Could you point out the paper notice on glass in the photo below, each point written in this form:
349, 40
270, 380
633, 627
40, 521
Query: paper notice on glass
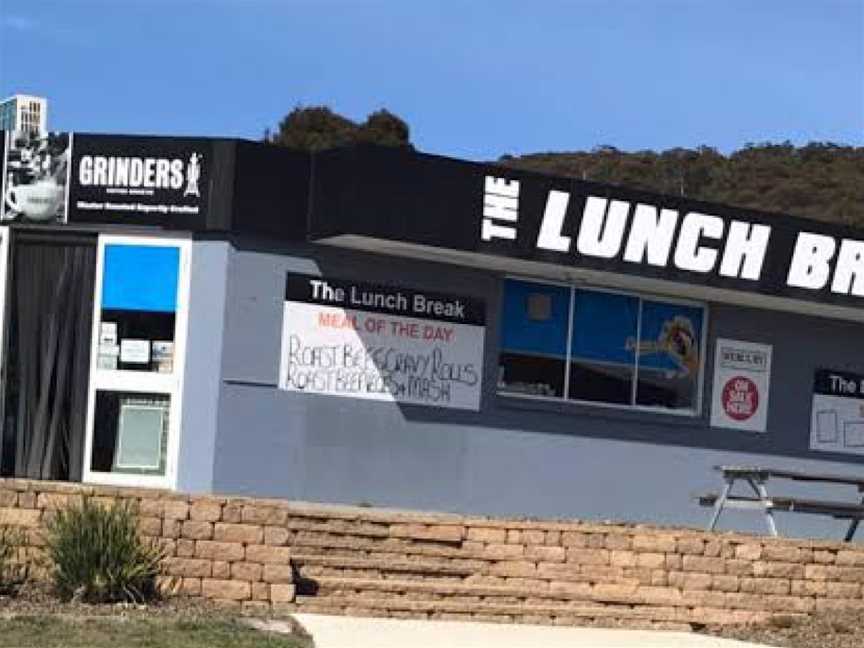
163, 355
135, 351
108, 333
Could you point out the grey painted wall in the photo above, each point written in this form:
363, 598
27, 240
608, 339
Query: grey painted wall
514, 457
209, 264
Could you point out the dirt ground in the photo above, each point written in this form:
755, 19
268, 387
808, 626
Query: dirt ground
827, 630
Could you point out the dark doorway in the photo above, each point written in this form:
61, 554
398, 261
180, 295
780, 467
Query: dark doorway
51, 283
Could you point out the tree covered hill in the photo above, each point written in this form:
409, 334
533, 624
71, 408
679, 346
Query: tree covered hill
820, 180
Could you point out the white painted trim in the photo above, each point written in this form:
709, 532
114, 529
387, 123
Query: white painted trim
142, 381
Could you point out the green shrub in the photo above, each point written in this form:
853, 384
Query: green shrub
98, 555
13, 571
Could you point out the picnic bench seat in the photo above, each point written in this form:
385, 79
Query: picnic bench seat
756, 478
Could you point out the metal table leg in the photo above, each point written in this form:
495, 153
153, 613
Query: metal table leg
720, 503
853, 527
761, 491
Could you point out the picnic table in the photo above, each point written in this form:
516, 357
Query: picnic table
757, 478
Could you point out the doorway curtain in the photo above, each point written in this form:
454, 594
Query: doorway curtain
48, 361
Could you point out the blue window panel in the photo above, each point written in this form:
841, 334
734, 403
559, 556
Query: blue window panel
671, 337
605, 327
522, 334
140, 278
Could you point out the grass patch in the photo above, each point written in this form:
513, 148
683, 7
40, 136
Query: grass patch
46, 631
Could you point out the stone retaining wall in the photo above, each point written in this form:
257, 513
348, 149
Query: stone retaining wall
263, 554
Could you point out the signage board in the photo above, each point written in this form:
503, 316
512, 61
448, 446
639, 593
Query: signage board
742, 382
361, 340
501, 213
837, 417
58, 178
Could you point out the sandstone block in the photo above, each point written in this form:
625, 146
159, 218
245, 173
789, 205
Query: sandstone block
588, 556
20, 517
246, 571
281, 593
228, 551
197, 530
268, 555
655, 543
650, 560
175, 510
278, 574
779, 586
482, 534
221, 569
276, 536
245, 533
226, 589
205, 511
704, 564
191, 567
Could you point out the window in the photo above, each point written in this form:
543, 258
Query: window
534, 344
136, 370
600, 347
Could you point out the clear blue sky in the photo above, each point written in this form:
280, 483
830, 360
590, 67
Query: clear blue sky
473, 78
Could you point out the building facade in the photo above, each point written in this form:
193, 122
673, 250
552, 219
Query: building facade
373, 325
24, 113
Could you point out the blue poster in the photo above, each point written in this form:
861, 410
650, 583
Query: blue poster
535, 318
604, 327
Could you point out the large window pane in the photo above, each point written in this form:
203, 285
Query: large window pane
139, 304
533, 339
603, 347
669, 356
130, 433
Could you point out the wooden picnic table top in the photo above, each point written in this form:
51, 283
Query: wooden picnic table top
763, 473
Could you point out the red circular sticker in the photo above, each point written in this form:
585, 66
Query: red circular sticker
740, 398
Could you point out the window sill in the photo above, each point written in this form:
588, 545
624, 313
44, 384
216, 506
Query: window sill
639, 415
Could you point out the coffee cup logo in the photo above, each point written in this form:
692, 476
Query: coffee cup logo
36, 169
39, 201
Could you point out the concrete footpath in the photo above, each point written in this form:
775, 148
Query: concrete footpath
348, 632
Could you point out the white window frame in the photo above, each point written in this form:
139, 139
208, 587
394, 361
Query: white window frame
693, 412
119, 380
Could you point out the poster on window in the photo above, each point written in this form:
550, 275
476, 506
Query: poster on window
359, 340
742, 380
837, 418
35, 178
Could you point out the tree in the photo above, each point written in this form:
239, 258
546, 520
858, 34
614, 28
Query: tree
316, 128
820, 180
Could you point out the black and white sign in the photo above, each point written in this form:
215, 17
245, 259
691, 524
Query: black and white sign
361, 340
34, 183
742, 384
138, 180
837, 419
591, 227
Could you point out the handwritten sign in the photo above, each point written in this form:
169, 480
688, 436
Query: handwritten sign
390, 344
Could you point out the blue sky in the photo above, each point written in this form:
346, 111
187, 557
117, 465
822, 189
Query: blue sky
473, 78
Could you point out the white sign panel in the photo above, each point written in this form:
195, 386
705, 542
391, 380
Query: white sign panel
373, 351
742, 380
837, 419
135, 351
